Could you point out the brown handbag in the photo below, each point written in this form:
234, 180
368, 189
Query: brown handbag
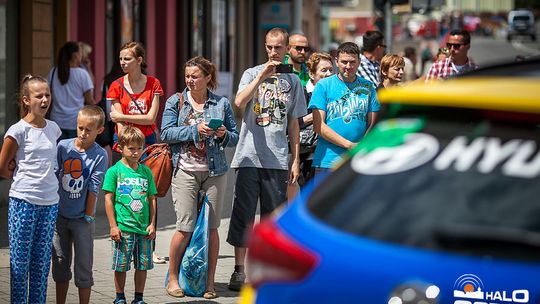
159, 159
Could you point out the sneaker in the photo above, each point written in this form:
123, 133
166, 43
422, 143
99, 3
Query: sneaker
138, 302
119, 301
237, 280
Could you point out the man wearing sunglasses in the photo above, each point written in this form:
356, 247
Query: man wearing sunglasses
297, 56
459, 43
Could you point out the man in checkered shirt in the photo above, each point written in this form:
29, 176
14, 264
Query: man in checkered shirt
459, 43
372, 51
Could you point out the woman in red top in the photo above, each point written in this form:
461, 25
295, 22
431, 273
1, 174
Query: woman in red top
135, 96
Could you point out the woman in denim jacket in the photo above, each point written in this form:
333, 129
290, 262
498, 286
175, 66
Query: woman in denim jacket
198, 125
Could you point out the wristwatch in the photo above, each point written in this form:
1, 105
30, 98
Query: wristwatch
89, 218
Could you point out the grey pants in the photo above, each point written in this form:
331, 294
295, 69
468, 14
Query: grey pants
74, 234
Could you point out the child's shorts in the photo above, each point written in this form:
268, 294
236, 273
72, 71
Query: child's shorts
132, 245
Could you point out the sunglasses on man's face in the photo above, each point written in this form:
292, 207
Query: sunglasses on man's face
456, 46
301, 48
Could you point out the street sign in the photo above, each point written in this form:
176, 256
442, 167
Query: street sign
275, 14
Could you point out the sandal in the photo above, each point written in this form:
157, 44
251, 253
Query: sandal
210, 294
159, 260
177, 293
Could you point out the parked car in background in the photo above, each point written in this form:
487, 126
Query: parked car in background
521, 23
439, 203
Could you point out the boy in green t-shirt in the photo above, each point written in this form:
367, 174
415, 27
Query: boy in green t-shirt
130, 204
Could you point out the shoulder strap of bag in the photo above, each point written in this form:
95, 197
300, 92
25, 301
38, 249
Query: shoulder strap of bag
181, 102
130, 96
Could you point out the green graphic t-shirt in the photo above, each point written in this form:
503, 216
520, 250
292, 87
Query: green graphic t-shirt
131, 190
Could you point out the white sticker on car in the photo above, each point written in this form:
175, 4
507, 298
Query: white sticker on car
516, 158
418, 149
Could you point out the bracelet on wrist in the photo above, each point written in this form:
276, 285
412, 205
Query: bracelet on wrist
89, 218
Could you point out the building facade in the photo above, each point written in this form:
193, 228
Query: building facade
229, 32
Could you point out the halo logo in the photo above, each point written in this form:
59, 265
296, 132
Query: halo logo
469, 286
470, 290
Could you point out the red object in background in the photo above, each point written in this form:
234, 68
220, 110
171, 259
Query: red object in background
471, 23
428, 29
274, 257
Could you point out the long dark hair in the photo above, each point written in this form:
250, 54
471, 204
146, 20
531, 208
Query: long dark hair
64, 57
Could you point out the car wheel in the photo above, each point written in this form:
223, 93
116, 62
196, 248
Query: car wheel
509, 38
533, 37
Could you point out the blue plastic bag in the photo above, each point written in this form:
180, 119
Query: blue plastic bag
193, 270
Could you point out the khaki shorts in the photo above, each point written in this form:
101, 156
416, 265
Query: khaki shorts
184, 188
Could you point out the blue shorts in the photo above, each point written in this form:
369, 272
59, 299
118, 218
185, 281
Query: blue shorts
132, 246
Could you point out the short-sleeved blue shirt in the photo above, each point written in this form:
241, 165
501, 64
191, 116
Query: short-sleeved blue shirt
78, 173
347, 106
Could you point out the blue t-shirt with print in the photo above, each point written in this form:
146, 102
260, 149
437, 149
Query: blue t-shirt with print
78, 173
347, 106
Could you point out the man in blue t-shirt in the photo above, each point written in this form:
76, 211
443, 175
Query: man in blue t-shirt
344, 108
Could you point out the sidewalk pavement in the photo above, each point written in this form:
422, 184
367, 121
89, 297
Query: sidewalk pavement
103, 290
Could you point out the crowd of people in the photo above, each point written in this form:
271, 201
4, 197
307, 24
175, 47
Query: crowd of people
295, 126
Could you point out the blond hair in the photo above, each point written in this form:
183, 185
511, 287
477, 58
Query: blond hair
85, 49
314, 60
388, 61
95, 113
276, 31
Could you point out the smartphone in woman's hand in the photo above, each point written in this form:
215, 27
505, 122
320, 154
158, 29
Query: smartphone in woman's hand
215, 123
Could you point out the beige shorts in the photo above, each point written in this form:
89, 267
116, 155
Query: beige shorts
185, 187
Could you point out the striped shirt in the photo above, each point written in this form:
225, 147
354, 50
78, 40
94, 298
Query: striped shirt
369, 70
445, 68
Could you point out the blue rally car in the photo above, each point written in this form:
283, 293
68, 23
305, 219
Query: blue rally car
439, 203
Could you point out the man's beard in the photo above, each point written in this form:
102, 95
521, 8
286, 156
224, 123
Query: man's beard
295, 60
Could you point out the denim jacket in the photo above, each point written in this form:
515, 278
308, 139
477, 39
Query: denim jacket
173, 130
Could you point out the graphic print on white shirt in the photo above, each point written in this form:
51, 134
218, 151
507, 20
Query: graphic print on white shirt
134, 110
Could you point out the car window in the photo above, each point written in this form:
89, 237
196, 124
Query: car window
521, 18
529, 68
445, 179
